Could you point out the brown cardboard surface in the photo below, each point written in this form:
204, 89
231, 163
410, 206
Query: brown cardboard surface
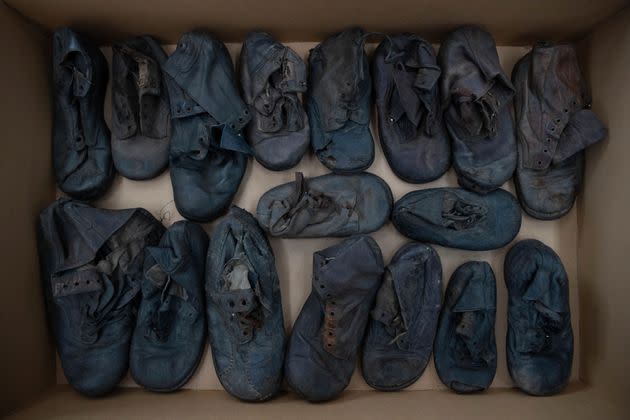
294, 256
577, 403
604, 225
513, 22
26, 187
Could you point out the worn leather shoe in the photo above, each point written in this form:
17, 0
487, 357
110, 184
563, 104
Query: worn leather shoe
413, 137
338, 103
465, 347
399, 338
91, 262
245, 321
327, 335
477, 101
458, 218
540, 337
81, 151
208, 154
272, 76
141, 122
554, 125
170, 333
327, 205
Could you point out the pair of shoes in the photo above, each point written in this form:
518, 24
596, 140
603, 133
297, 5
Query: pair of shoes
340, 311
539, 337
458, 218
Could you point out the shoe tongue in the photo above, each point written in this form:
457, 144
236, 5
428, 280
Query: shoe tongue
387, 307
474, 297
546, 292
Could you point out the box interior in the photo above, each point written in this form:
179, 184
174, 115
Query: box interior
591, 240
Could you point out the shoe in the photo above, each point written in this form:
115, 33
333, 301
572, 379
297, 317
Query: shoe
327, 205
327, 335
465, 349
539, 334
170, 334
457, 218
410, 125
555, 125
272, 76
477, 99
245, 321
81, 152
91, 261
400, 332
338, 102
208, 154
141, 121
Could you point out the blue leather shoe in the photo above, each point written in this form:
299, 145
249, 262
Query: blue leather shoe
465, 348
208, 154
170, 333
399, 338
81, 151
458, 218
338, 102
272, 76
91, 261
539, 337
412, 132
554, 125
327, 335
141, 121
244, 306
327, 205
477, 98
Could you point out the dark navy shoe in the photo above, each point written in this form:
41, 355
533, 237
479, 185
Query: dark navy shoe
555, 125
327, 335
399, 338
465, 350
208, 154
244, 305
141, 122
458, 218
477, 98
81, 152
327, 205
539, 336
338, 103
170, 333
91, 261
412, 132
272, 76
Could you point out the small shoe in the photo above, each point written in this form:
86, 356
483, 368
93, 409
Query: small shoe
327, 205
412, 132
338, 103
244, 307
539, 336
327, 335
477, 98
141, 121
208, 154
272, 76
91, 262
465, 348
81, 151
458, 218
554, 125
170, 334
399, 338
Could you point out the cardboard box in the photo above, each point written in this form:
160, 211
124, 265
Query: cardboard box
592, 239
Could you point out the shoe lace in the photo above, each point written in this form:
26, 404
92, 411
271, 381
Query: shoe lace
458, 214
